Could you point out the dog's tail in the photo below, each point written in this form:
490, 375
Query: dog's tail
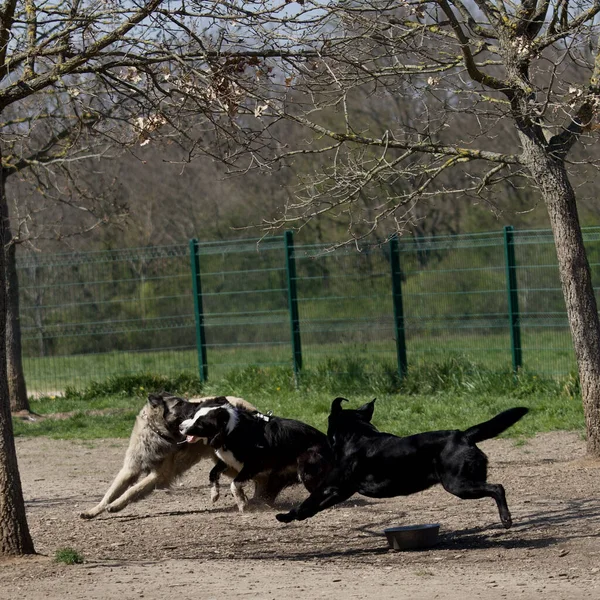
493, 427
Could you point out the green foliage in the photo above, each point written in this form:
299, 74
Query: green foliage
571, 386
461, 375
68, 556
138, 385
352, 374
253, 380
454, 393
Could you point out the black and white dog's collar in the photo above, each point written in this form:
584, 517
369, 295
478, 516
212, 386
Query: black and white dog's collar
266, 418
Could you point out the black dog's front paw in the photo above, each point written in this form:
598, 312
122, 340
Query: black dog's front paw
286, 517
507, 522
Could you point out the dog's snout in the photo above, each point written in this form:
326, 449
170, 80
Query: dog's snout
185, 425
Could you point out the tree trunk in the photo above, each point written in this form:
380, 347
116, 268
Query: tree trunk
15, 538
16, 379
552, 179
39, 324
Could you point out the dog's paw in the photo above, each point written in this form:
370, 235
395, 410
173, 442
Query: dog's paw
507, 522
86, 515
113, 508
506, 518
214, 495
285, 517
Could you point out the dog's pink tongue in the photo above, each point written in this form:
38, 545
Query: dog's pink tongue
191, 439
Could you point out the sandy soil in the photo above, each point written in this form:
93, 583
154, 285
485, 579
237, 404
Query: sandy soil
176, 544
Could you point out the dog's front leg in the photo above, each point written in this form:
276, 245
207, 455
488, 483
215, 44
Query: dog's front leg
214, 477
122, 481
137, 492
323, 497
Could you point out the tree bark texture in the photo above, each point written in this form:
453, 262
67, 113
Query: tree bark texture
552, 179
15, 538
16, 378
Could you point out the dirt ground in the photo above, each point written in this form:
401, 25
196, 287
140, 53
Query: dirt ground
176, 544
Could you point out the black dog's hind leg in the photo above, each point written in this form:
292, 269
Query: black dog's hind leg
269, 487
472, 490
323, 497
214, 477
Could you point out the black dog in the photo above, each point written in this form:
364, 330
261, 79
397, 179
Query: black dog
285, 450
381, 465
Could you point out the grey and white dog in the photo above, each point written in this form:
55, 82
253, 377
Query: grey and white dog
157, 453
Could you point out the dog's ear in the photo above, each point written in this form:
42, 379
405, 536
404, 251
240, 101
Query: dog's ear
155, 400
174, 399
336, 405
222, 416
221, 400
366, 410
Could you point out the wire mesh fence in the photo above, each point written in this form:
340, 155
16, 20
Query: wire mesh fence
345, 306
546, 340
244, 300
455, 297
88, 316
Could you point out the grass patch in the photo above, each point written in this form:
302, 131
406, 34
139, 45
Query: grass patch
547, 353
455, 393
68, 556
80, 426
138, 385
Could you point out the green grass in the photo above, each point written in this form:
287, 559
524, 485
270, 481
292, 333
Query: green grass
545, 352
455, 393
68, 556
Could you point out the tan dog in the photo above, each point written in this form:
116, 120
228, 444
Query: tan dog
157, 452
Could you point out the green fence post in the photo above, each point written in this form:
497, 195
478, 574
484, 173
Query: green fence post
513, 297
198, 310
398, 307
290, 262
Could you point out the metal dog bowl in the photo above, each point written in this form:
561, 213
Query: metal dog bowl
412, 536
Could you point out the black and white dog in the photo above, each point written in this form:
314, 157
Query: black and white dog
286, 450
382, 465
157, 454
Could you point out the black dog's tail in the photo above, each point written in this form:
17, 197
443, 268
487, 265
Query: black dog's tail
495, 426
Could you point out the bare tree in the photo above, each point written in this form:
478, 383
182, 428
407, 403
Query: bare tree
506, 93
44, 160
68, 69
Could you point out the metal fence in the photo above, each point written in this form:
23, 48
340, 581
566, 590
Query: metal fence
207, 308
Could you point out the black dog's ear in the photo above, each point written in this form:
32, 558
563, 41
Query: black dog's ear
222, 416
336, 405
155, 400
367, 410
